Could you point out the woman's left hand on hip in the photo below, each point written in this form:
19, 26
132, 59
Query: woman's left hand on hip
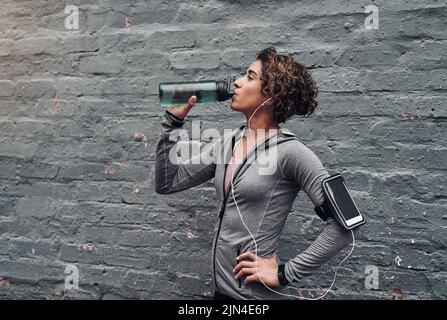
258, 268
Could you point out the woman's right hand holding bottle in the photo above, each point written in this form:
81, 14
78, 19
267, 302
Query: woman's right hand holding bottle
182, 111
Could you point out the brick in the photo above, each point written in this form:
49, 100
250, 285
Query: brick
101, 65
78, 86
151, 63
425, 55
208, 14
130, 86
38, 170
98, 191
147, 281
5, 47
26, 248
6, 89
173, 39
18, 149
438, 283
104, 277
32, 271
240, 59
339, 79
7, 206
194, 60
37, 207
36, 46
8, 166
80, 44
34, 89
145, 238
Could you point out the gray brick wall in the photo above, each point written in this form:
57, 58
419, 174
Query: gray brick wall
76, 188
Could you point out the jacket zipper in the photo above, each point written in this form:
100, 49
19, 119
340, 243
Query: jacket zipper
237, 261
224, 203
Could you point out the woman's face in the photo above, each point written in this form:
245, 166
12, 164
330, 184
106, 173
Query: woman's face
248, 94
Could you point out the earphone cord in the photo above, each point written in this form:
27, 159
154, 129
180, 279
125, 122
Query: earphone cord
256, 245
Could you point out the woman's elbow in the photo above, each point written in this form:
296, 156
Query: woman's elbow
343, 237
162, 189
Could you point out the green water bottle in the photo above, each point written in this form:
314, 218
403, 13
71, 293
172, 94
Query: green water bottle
206, 91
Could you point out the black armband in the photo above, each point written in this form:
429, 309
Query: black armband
339, 204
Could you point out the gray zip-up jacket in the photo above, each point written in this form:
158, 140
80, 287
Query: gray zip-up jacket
264, 196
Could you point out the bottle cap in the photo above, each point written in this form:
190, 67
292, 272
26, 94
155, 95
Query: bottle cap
225, 88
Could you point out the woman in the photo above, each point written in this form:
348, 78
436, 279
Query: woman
253, 206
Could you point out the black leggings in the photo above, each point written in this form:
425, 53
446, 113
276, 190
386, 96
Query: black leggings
220, 296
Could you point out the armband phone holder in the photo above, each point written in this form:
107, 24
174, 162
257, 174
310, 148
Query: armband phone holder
339, 204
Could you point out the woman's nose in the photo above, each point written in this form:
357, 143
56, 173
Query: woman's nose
236, 84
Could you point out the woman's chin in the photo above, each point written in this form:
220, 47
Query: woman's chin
235, 106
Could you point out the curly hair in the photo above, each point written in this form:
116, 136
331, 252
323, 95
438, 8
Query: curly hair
288, 83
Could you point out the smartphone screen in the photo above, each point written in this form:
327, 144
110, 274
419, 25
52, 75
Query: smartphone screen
343, 199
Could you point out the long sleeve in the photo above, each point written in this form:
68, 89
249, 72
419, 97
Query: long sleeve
180, 174
330, 241
302, 166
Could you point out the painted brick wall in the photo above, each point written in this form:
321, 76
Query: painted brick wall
77, 187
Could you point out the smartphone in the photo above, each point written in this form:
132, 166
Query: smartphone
342, 204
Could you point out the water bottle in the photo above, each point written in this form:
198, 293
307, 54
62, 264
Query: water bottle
206, 91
